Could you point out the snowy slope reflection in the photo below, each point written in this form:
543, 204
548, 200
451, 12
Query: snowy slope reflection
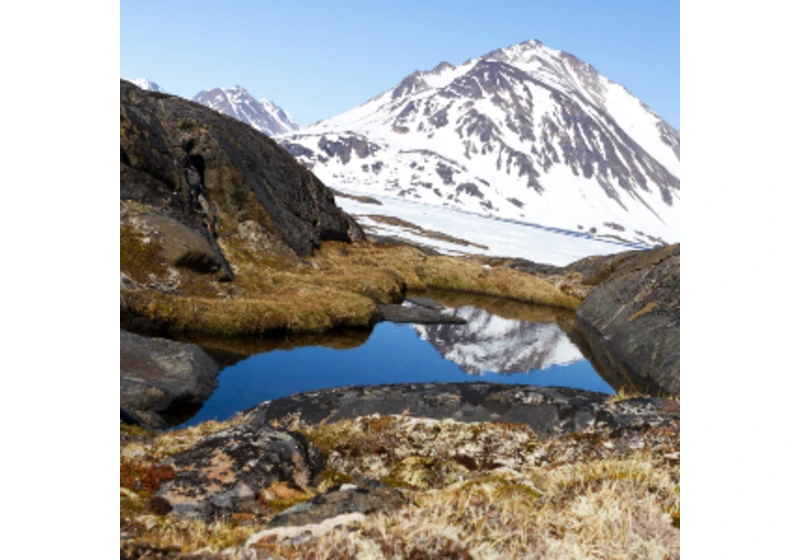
490, 343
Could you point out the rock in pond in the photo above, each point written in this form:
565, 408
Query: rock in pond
157, 375
637, 311
549, 411
416, 314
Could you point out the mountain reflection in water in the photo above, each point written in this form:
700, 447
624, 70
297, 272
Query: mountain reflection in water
490, 343
498, 340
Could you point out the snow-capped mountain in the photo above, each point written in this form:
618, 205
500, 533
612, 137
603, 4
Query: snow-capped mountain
524, 133
146, 84
489, 343
236, 102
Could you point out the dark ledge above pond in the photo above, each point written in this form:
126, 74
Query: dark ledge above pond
550, 411
416, 314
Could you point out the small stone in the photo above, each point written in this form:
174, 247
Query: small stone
159, 505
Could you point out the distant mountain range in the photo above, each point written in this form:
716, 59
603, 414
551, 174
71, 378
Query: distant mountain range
236, 102
525, 133
261, 114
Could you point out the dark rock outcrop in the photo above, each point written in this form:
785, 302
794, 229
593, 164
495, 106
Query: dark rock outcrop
211, 172
160, 377
225, 472
636, 311
595, 270
365, 496
549, 411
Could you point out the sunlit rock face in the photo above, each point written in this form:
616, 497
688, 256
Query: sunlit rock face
489, 343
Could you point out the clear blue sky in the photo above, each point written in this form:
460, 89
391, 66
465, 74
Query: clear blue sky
319, 58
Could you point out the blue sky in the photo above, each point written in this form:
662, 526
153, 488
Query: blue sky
317, 59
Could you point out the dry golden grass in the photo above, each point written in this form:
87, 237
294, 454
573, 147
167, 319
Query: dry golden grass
273, 290
304, 309
502, 307
482, 490
462, 275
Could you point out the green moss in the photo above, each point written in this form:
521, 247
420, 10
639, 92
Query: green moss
274, 507
332, 478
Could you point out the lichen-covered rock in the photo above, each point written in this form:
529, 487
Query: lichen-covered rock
157, 375
185, 247
549, 411
226, 472
365, 497
637, 310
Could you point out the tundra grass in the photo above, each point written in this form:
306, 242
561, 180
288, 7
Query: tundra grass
477, 490
275, 291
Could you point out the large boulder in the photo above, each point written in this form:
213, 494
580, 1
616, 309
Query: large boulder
549, 411
636, 311
210, 173
158, 376
228, 471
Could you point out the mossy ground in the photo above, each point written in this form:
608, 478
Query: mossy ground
481, 490
274, 290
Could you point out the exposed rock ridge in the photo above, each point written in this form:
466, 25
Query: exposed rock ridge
211, 172
636, 311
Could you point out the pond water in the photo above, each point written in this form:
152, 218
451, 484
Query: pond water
501, 342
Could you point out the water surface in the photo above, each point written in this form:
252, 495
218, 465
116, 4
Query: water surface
513, 343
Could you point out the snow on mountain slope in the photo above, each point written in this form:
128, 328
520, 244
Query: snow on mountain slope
489, 343
146, 84
236, 102
486, 235
524, 133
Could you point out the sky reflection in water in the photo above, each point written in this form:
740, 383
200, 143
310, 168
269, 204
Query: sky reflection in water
540, 352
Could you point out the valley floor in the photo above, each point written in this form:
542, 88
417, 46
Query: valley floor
474, 234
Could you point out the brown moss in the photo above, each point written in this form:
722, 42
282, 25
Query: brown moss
141, 478
140, 256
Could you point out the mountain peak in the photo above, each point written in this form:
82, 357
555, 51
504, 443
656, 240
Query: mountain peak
237, 102
522, 133
145, 84
441, 67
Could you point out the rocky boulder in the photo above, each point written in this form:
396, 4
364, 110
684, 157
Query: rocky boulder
416, 314
365, 496
158, 376
210, 172
227, 472
636, 312
549, 411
